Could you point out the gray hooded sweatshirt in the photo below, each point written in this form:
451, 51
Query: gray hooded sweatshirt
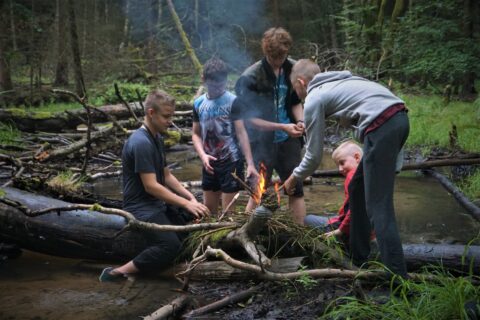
353, 101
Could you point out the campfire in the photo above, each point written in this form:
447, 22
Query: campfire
262, 196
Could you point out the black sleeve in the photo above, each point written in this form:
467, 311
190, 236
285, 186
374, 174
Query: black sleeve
237, 110
247, 96
294, 98
195, 117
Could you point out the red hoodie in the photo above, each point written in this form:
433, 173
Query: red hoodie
344, 217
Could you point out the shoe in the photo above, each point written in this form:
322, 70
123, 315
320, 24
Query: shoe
107, 276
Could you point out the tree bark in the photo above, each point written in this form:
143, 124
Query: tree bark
61, 71
12, 26
188, 47
77, 63
5, 77
85, 233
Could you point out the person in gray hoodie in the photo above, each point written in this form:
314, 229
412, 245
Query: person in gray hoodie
379, 120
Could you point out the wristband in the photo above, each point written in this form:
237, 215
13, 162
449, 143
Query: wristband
300, 121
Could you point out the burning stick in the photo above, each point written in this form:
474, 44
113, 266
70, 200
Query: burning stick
235, 197
249, 190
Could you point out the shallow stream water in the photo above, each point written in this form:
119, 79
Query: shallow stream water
37, 286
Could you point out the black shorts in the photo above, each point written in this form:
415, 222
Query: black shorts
283, 157
222, 179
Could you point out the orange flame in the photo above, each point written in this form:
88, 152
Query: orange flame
262, 182
277, 191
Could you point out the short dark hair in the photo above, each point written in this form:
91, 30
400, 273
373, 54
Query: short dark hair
215, 69
158, 98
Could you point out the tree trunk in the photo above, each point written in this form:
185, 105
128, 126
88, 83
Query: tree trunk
77, 63
468, 85
5, 77
152, 49
191, 53
61, 72
12, 27
126, 26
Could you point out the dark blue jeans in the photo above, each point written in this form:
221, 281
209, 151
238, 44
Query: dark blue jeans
371, 195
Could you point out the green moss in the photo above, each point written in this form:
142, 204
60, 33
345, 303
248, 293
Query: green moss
2, 192
33, 114
172, 138
217, 236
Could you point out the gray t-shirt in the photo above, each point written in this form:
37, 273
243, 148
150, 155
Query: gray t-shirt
142, 153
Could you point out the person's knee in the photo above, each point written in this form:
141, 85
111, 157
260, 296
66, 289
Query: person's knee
313, 221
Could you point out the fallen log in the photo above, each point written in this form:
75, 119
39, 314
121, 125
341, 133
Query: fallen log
90, 234
454, 257
412, 166
457, 194
79, 232
31, 121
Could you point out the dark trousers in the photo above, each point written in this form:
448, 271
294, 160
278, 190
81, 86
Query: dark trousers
371, 195
163, 247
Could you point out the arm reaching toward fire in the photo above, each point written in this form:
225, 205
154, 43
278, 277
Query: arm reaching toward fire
245, 145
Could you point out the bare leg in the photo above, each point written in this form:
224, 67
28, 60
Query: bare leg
251, 205
212, 199
297, 206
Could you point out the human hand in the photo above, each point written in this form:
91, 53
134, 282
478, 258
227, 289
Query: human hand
252, 172
197, 209
293, 130
300, 126
290, 184
335, 233
206, 162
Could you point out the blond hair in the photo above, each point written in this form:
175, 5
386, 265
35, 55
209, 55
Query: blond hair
276, 42
158, 98
305, 69
349, 148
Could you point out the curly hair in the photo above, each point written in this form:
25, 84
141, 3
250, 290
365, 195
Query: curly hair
276, 42
215, 69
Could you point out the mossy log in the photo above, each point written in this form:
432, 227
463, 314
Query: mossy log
30, 120
91, 234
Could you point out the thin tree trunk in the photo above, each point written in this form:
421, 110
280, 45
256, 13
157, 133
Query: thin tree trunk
191, 53
77, 63
126, 26
152, 43
468, 85
84, 31
5, 77
61, 72
196, 14
12, 27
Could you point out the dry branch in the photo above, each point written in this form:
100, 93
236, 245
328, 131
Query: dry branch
170, 309
132, 222
217, 305
314, 273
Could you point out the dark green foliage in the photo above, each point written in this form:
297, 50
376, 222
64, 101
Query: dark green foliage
128, 92
432, 47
